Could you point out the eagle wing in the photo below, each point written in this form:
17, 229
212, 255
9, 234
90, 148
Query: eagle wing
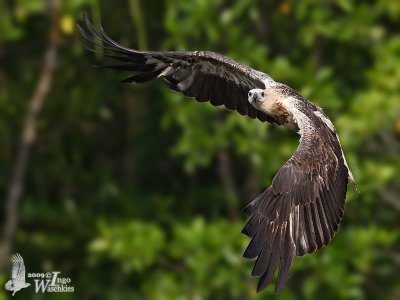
18, 268
203, 75
300, 212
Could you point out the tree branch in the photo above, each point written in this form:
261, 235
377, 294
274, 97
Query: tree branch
28, 135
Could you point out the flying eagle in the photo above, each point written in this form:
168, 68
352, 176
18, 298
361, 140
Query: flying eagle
300, 212
17, 281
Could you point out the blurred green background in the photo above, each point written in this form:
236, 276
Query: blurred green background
135, 192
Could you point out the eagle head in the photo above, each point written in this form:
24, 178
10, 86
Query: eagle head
256, 95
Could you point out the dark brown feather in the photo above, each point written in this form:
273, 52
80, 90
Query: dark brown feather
219, 91
255, 246
307, 194
187, 69
142, 77
300, 212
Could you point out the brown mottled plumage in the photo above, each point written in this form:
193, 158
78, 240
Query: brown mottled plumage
300, 212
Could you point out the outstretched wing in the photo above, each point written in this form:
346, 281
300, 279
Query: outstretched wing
203, 75
300, 212
18, 268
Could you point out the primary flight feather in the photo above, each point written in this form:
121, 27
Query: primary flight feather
300, 212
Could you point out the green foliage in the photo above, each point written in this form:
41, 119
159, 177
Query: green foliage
135, 191
134, 245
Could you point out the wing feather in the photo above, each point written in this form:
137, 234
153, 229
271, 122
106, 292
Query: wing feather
300, 212
219, 91
203, 75
257, 243
286, 260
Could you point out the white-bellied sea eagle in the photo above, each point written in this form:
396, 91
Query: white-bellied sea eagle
301, 210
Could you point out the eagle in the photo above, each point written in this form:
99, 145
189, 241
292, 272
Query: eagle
301, 210
17, 281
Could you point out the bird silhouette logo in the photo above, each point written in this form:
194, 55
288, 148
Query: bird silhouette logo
17, 281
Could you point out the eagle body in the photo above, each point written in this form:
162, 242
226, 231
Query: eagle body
301, 210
